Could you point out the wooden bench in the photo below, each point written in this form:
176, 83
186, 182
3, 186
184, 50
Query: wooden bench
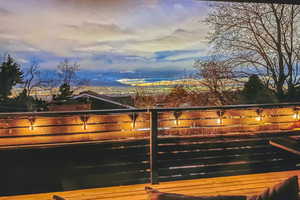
230, 185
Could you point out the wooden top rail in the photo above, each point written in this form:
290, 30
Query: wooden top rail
113, 111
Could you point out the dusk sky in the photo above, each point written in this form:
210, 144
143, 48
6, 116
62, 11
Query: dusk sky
104, 34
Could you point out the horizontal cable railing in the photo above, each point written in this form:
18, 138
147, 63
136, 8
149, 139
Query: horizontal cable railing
167, 158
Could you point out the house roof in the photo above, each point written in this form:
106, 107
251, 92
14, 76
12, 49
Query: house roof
101, 97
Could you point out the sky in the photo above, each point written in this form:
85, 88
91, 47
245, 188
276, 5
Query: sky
104, 35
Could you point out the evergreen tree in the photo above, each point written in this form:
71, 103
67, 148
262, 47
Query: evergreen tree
23, 101
10, 75
64, 94
255, 92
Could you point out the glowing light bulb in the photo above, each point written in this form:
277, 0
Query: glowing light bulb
31, 127
259, 118
133, 124
31, 121
84, 119
84, 126
133, 116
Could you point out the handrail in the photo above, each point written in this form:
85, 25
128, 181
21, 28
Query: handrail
112, 111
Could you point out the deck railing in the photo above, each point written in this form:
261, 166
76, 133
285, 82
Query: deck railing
41, 128
55, 127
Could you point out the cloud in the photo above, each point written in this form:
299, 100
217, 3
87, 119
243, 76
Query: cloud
105, 34
94, 48
4, 12
175, 55
98, 4
186, 55
21, 60
9, 44
179, 40
104, 65
95, 32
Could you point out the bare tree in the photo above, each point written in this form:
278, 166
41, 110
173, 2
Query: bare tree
218, 78
67, 72
67, 75
43, 80
260, 39
144, 98
178, 97
50, 83
32, 78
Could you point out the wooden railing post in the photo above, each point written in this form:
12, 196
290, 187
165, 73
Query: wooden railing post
153, 147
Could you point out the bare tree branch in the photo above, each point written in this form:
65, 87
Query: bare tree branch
263, 36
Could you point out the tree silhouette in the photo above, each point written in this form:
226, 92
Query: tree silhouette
177, 96
65, 93
218, 78
255, 92
10, 75
261, 39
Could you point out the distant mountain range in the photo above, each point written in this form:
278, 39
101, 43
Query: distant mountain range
114, 78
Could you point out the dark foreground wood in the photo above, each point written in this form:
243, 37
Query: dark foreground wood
289, 144
230, 185
114, 163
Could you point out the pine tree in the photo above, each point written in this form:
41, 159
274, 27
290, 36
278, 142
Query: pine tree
65, 92
255, 92
10, 75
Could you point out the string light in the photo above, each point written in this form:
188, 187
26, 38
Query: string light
133, 117
220, 113
31, 121
296, 115
84, 119
259, 113
259, 118
177, 114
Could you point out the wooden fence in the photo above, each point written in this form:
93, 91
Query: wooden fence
119, 147
56, 127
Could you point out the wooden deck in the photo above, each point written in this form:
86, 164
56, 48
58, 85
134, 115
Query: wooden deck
230, 185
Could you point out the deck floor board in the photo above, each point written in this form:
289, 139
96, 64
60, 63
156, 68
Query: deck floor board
230, 185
